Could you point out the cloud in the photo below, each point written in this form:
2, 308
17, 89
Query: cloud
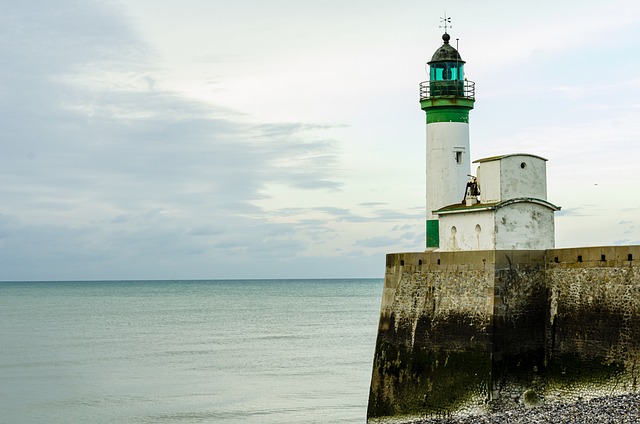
403, 227
387, 214
576, 211
381, 241
102, 168
119, 159
626, 242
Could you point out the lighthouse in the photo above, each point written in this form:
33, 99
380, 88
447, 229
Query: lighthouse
447, 97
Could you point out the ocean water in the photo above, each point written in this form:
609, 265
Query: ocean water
238, 351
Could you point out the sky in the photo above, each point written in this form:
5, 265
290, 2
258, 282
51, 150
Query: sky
202, 139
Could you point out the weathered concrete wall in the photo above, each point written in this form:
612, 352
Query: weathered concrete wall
523, 175
449, 323
473, 231
506, 228
515, 223
512, 176
434, 318
593, 327
472, 331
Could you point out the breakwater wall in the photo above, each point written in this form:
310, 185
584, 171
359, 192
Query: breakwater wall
475, 331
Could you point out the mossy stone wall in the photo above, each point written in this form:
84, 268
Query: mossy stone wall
470, 331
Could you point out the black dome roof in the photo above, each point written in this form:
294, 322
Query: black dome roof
446, 52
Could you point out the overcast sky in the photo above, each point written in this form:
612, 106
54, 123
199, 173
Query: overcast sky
157, 139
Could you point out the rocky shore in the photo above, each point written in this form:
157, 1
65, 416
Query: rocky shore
621, 409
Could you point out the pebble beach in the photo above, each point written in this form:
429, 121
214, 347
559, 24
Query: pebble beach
621, 409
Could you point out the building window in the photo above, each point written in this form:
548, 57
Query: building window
523, 165
459, 158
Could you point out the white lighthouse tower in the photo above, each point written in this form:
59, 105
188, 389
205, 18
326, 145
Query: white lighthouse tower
447, 99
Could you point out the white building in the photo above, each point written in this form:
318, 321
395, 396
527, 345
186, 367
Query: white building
510, 213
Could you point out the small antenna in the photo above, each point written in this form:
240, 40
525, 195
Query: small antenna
446, 21
457, 56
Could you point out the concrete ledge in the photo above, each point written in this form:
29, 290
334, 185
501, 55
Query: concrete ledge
598, 256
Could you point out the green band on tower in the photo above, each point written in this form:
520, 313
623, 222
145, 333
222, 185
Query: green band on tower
453, 114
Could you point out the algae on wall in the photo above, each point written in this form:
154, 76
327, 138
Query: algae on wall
593, 327
475, 331
432, 352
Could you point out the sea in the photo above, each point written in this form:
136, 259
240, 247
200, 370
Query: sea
209, 351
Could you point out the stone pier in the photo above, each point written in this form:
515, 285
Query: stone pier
473, 331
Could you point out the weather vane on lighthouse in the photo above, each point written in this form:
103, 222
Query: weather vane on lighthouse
446, 21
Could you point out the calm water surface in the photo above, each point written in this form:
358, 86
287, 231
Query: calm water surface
253, 351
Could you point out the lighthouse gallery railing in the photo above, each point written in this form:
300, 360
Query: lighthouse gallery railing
458, 88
